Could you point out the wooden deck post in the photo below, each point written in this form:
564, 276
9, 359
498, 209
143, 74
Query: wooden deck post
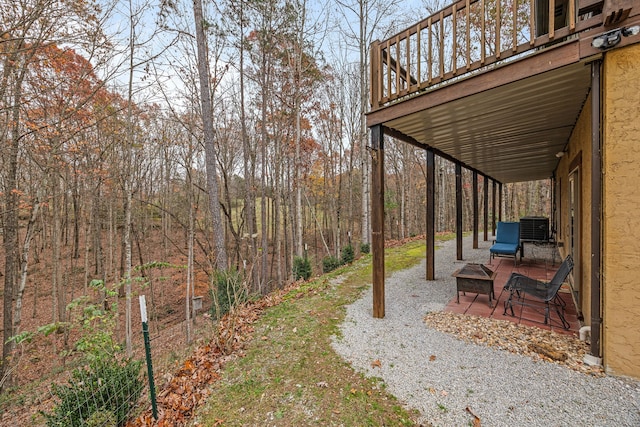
458, 211
375, 77
500, 202
596, 201
431, 214
485, 181
475, 209
493, 206
377, 218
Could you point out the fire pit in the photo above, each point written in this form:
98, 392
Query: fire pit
475, 278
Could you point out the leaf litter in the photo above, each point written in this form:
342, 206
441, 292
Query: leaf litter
537, 343
188, 387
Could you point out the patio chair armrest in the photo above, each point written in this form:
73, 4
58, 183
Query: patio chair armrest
513, 281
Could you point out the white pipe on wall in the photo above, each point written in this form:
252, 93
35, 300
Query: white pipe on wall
584, 331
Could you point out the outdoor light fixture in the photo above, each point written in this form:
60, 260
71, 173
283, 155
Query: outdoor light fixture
611, 38
631, 31
608, 39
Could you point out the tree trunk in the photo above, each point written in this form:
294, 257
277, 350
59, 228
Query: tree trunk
166, 218
249, 192
127, 267
298, 249
188, 296
263, 177
128, 176
10, 231
24, 265
59, 304
364, 99
277, 235
209, 137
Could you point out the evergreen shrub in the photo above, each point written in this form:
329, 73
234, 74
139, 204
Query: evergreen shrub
301, 268
330, 263
365, 248
348, 255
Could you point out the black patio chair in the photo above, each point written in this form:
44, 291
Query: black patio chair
520, 286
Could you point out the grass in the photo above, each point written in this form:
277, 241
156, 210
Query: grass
290, 375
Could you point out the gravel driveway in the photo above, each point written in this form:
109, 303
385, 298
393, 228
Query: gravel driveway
445, 378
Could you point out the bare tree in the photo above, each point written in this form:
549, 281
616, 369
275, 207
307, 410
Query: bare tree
27, 28
239, 23
209, 136
363, 21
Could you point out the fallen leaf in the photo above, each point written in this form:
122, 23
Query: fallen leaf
444, 393
376, 364
432, 358
432, 390
476, 419
354, 391
547, 350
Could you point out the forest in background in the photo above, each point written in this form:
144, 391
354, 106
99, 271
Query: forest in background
146, 147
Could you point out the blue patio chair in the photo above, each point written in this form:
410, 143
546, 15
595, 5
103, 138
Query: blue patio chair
539, 292
507, 241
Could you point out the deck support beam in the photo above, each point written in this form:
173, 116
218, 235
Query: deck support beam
431, 214
458, 212
485, 184
493, 206
499, 202
377, 218
596, 202
475, 210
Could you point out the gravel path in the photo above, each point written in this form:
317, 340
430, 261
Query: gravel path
442, 376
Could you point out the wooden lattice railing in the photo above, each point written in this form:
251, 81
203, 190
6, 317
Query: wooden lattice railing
469, 36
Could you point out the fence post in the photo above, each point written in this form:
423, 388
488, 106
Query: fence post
147, 351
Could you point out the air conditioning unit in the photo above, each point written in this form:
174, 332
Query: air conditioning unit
560, 13
534, 229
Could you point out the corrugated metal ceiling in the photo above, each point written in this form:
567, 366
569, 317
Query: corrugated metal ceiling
510, 133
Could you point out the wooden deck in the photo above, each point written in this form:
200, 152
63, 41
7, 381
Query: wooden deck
494, 89
472, 36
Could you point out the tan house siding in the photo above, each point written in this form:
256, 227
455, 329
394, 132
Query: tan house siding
621, 203
578, 157
621, 211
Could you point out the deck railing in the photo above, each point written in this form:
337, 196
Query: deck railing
469, 36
